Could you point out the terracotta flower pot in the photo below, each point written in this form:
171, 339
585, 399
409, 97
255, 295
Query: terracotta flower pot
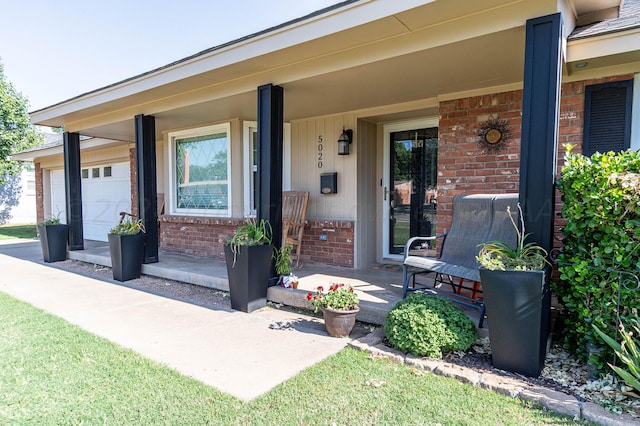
339, 323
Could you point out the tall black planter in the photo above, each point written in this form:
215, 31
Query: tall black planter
127, 254
53, 239
518, 310
249, 277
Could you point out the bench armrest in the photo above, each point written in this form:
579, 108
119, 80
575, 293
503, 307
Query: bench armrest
412, 240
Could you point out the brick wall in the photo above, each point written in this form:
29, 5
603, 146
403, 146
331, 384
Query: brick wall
466, 166
201, 236
133, 179
39, 193
336, 250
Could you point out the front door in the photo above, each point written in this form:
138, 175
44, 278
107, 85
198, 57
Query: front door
412, 194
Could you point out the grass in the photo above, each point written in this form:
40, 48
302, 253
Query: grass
52, 373
10, 232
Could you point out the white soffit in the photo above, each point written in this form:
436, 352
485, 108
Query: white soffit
606, 45
590, 11
333, 21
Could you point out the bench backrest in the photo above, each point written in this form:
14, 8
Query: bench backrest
477, 219
501, 226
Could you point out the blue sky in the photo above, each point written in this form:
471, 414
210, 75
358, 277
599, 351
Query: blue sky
54, 50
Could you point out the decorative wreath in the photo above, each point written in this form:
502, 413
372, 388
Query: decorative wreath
493, 133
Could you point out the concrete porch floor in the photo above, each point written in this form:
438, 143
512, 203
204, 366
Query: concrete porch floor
379, 288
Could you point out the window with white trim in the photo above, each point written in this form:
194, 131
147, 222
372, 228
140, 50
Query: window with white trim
200, 175
250, 168
250, 131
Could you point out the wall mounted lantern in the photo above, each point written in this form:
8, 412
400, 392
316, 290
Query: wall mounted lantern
344, 141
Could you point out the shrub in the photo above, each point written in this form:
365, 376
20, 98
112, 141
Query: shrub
428, 326
601, 204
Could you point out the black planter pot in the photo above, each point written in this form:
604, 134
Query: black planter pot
518, 310
53, 239
127, 254
249, 277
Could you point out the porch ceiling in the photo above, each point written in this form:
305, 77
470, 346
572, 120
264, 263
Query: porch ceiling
420, 54
491, 60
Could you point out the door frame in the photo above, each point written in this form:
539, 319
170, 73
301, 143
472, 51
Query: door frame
386, 175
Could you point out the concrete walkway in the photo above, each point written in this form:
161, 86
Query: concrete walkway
242, 354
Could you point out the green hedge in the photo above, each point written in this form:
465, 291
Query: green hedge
427, 325
601, 203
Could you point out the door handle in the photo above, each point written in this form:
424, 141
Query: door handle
385, 192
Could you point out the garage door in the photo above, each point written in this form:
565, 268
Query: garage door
58, 204
105, 193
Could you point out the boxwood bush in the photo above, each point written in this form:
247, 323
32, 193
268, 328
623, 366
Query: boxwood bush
426, 325
601, 204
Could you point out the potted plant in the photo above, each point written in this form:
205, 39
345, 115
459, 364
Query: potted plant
515, 284
126, 247
284, 267
53, 239
248, 254
339, 307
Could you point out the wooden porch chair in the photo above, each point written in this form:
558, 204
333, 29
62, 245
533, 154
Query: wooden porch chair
294, 211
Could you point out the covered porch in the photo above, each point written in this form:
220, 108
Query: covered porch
379, 287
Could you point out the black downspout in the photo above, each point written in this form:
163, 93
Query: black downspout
270, 154
73, 189
540, 114
145, 127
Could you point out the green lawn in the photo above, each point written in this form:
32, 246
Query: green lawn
10, 232
54, 373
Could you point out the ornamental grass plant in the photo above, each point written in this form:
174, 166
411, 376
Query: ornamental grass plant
497, 255
128, 226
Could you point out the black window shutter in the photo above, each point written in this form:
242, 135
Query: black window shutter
607, 117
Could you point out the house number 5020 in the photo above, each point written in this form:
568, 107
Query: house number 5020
320, 147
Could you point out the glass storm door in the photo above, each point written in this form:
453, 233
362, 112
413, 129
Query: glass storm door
413, 180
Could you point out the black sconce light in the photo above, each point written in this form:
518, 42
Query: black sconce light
344, 141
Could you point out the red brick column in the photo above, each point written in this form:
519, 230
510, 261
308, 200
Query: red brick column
39, 193
133, 179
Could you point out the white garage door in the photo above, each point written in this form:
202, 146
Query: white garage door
105, 193
58, 204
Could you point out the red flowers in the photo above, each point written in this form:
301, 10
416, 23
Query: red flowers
340, 297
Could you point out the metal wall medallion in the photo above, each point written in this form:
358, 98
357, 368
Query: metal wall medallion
493, 133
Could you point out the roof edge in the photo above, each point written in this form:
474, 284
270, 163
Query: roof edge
205, 52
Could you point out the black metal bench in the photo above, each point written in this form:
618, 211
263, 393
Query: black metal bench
476, 219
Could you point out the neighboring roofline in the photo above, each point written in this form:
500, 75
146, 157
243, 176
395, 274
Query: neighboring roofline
206, 51
56, 147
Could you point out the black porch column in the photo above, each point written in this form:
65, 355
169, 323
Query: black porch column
146, 182
73, 189
540, 112
270, 152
